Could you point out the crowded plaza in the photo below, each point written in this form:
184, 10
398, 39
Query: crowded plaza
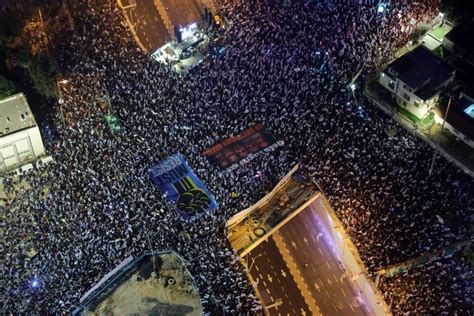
285, 66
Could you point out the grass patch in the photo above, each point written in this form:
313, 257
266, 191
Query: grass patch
440, 31
427, 121
412, 117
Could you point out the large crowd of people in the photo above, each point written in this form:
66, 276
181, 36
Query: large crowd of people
286, 66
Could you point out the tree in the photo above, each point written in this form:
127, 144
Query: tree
6, 87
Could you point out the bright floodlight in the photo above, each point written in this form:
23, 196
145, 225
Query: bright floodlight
64, 81
352, 86
381, 8
441, 15
34, 283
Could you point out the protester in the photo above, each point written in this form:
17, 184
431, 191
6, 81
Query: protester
286, 67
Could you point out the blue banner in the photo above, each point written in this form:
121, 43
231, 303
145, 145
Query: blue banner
177, 181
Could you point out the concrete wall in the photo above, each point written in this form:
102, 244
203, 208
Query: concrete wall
20, 147
349, 255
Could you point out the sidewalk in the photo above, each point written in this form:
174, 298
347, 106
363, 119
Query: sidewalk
446, 143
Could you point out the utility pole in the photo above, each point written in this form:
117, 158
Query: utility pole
61, 100
437, 139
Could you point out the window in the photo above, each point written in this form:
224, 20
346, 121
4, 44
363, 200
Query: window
406, 87
391, 85
416, 104
406, 97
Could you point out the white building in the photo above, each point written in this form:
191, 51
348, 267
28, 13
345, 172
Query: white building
20, 138
416, 79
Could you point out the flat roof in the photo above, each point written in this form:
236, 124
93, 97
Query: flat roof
152, 284
423, 71
15, 114
459, 116
461, 35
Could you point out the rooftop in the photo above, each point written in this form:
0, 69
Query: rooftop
15, 114
423, 71
461, 36
152, 284
460, 115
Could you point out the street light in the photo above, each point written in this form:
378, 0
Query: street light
437, 139
61, 100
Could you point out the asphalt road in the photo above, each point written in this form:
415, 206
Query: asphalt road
274, 281
324, 276
149, 26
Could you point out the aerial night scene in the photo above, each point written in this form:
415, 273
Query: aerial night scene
229, 157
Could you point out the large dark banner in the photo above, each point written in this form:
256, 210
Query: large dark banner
234, 149
177, 181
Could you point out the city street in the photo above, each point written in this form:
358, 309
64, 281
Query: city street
319, 266
298, 265
146, 21
274, 281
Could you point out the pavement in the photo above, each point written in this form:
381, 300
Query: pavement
320, 267
149, 30
298, 266
274, 281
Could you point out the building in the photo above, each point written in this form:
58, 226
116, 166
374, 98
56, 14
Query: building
416, 79
460, 118
154, 283
20, 138
459, 41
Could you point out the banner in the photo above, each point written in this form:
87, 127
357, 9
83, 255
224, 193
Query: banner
234, 149
176, 180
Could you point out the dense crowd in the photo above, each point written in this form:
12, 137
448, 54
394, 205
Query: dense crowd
426, 292
284, 66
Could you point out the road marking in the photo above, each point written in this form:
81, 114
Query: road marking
269, 278
329, 266
316, 286
283, 273
344, 292
352, 307
320, 251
